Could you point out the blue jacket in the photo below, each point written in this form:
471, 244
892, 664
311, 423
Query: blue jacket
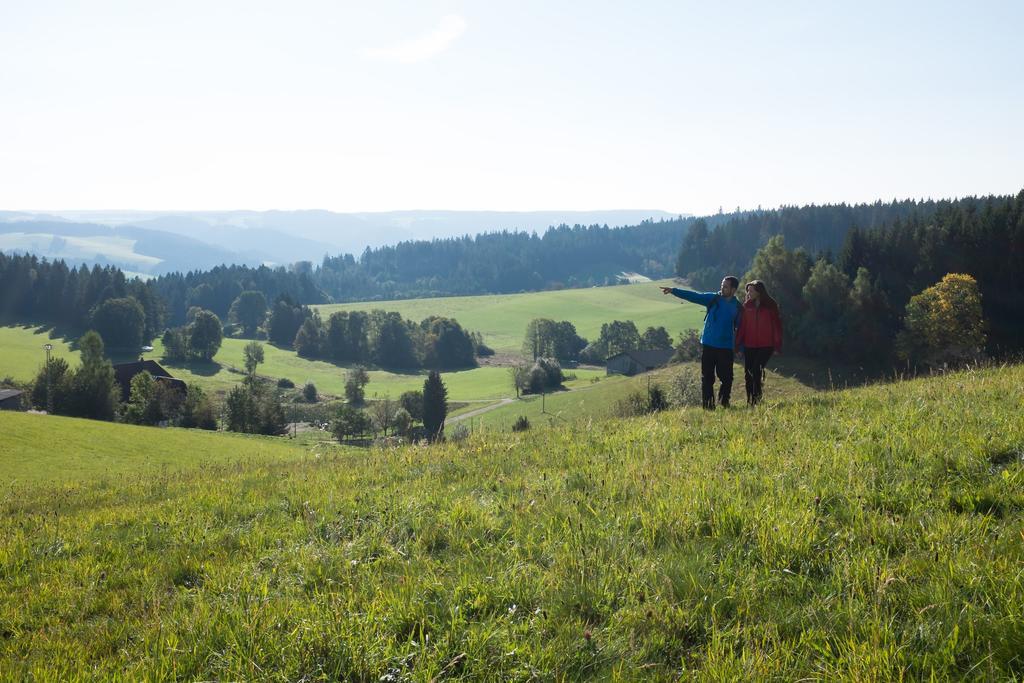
722, 319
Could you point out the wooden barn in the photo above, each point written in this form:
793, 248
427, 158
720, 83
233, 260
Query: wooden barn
633, 362
13, 399
124, 372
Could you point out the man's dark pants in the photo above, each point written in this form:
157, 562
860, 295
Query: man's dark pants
754, 360
715, 361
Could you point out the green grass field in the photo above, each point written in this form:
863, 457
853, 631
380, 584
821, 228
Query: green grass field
22, 353
20, 346
502, 318
477, 384
40, 448
865, 535
21, 356
596, 400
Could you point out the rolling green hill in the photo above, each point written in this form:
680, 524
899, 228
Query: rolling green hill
54, 449
869, 534
21, 356
22, 353
596, 399
464, 385
502, 318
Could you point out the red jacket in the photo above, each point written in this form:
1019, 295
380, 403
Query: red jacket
759, 327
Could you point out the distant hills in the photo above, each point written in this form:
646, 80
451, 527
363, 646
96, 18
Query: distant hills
156, 242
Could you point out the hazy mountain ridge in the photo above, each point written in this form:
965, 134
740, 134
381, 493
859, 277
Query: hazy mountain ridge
129, 248
167, 241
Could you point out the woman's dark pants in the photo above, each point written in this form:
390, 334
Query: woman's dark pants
754, 360
715, 361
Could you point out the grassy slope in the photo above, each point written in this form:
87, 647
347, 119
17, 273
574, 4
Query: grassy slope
22, 354
465, 385
863, 535
597, 400
37, 448
502, 318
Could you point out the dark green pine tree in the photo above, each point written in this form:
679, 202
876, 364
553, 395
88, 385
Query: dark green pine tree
435, 406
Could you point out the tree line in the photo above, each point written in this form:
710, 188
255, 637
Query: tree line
904, 245
386, 339
256, 405
924, 289
49, 292
708, 250
546, 338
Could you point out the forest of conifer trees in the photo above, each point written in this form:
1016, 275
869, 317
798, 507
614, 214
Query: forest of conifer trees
883, 253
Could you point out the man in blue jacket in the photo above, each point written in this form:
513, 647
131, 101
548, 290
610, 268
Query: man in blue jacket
718, 337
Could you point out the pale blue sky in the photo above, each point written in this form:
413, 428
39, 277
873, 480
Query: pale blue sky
680, 106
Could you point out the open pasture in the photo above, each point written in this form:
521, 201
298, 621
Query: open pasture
868, 534
21, 356
502, 318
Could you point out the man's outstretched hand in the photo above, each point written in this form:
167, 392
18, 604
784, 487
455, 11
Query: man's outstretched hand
665, 290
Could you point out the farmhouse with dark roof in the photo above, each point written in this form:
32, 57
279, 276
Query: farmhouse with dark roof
124, 372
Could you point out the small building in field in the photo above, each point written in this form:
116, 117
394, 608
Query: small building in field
13, 399
124, 372
632, 362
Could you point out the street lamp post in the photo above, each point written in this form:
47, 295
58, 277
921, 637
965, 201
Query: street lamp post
49, 369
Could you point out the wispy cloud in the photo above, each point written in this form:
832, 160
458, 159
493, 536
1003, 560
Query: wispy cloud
423, 47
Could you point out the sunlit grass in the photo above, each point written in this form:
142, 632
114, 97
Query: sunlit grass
502, 318
22, 353
872, 534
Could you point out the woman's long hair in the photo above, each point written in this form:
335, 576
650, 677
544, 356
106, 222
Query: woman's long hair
765, 298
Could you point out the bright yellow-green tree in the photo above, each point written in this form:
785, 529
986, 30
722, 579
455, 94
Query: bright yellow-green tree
944, 323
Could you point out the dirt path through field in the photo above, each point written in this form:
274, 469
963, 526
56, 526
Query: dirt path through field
480, 411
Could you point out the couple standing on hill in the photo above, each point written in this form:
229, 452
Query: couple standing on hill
753, 328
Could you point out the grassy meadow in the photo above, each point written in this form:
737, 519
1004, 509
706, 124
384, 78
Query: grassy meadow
22, 353
502, 318
477, 384
867, 534
53, 449
596, 399
21, 356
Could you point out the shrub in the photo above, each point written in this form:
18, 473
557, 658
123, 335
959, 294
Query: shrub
633, 404
402, 423
642, 403
656, 400
309, 393
412, 402
285, 383
521, 424
684, 388
545, 374
459, 432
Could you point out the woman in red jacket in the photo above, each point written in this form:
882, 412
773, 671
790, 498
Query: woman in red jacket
759, 335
